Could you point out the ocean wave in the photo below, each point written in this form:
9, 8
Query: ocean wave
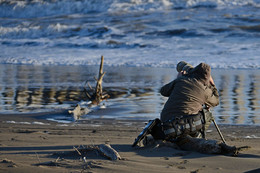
102, 45
119, 61
130, 32
42, 8
220, 30
254, 28
55, 30
175, 32
25, 43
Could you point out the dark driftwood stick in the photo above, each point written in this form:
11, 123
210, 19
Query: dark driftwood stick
197, 144
87, 94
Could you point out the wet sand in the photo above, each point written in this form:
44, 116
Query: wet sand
26, 143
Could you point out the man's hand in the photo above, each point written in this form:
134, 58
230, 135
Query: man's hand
181, 73
211, 81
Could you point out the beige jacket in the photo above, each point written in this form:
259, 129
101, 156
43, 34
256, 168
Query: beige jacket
188, 94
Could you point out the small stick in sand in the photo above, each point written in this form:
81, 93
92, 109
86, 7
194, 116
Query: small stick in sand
38, 157
57, 159
77, 151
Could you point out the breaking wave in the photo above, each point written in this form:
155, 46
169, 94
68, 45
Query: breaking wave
156, 33
43, 8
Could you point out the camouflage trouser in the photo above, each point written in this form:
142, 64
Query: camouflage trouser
206, 121
208, 118
205, 118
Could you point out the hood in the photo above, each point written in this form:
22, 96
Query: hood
202, 73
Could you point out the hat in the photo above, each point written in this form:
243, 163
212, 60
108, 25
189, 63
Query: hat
180, 66
202, 73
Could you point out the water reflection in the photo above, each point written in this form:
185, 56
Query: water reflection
239, 100
134, 90
224, 104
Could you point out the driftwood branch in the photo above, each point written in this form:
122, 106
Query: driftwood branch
90, 86
109, 152
79, 111
98, 95
86, 93
201, 145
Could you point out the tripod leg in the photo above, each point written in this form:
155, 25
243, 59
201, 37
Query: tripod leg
220, 134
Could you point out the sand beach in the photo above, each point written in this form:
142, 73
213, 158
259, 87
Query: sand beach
37, 145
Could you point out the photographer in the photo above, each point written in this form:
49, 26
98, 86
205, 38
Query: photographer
184, 116
187, 94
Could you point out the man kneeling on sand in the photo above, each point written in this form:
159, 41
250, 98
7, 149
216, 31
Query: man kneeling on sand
183, 118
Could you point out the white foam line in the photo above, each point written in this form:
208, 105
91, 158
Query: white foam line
11, 122
40, 123
62, 125
252, 137
28, 123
